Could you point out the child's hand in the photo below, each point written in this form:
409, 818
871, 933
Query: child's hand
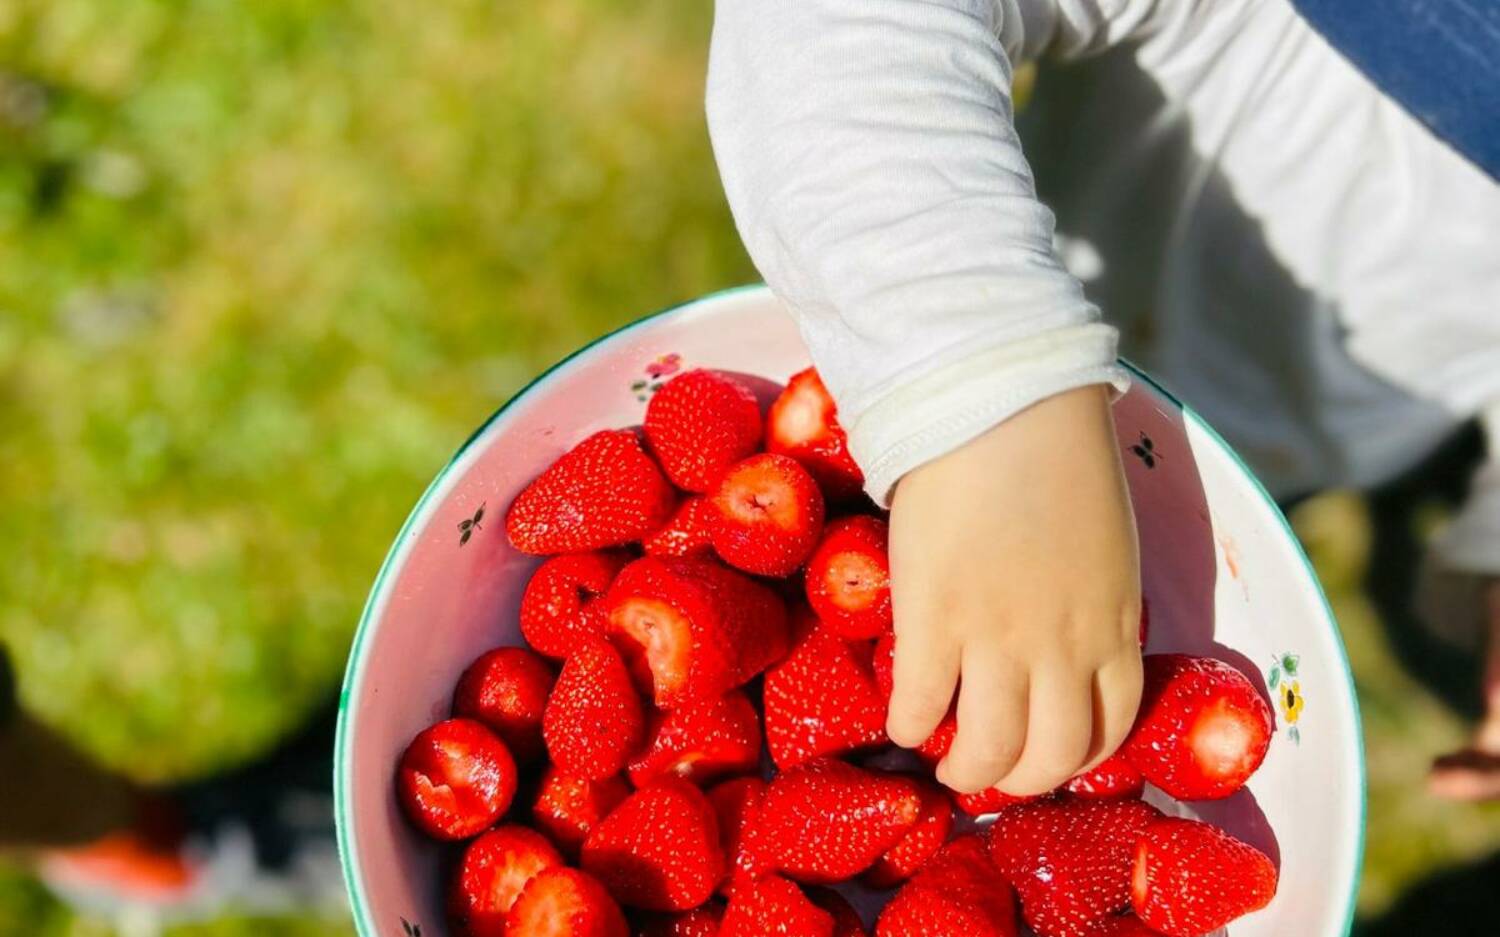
1015, 567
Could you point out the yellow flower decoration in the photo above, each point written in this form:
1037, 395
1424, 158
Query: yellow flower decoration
1291, 701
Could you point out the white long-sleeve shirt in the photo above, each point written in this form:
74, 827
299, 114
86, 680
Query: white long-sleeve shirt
1284, 246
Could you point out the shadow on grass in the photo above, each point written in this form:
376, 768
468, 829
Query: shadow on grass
1463, 901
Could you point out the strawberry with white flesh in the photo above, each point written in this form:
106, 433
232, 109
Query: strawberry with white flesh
604, 492
593, 722
958, 894
920, 843
846, 922
506, 689
493, 872
659, 850
773, 907
1114, 778
1190, 878
769, 515
561, 606
565, 902
1202, 730
699, 922
699, 424
821, 699
567, 807
693, 629
688, 532
701, 741
825, 821
455, 779
736, 804
803, 423
848, 577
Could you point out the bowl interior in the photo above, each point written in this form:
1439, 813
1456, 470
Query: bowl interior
1221, 573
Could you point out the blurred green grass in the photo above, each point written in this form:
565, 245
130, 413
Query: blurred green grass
264, 265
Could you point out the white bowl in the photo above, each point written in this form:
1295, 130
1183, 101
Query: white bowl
1222, 574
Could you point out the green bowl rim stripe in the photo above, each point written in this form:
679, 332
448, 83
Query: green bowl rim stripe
342, 781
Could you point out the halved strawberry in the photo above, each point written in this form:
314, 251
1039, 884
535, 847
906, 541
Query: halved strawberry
565, 903
769, 515
773, 906
697, 628
455, 779
822, 698
659, 850
604, 492
803, 423
593, 722
699, 922
920, 843
736, 804
959, 892
506, 689
568, 807
846, 922
700, 423
848, 578
688, 532
1190, 878
701, 741
561, 606
1202, 729
1113, 778
493, 872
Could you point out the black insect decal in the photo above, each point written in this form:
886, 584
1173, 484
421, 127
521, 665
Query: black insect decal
468, 525
1145, 450
414, 930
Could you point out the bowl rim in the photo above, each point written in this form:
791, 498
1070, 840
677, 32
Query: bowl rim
354, 670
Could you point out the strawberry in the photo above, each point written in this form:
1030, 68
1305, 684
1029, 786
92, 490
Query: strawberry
848, 578
825, 820
989, 800
803, 423
935, 749
699, 424
1190, 878
822, 698
688, 532
593, 721
958, 894
1114, 777
884, 665
773, 907
846, 922
565, 903
699, 922
567, 807
700, 741
1124, 925
455, 779
604, 492
495, 868
768, 515
1069, 860
1202, 729
697, 628
921, 842
659, 850
736, 804
506, 689
560, 607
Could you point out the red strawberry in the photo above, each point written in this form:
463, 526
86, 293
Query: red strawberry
565, 903
1190, 878
494, 870
1125, 925
935, 749
990, 800
848, 578
822, 698
700, 741
593, 721
736, 804
659, 850
846, 922
688, 532
803, 423
455, 779
773, 907
1114, 777
769, 515
958, 893
699, 922
885, 665
825, 820
921, 842
567, 807
506, 689
1069, 860
699, 424
698, 628
561, 606
1202, 729
604, 492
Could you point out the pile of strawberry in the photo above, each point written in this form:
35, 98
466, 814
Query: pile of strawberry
702, 612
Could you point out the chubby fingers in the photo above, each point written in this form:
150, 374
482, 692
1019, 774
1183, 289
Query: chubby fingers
924, 675
1117, 696
1059, 731
992, 722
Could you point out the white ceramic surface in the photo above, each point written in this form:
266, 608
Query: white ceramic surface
1222, 575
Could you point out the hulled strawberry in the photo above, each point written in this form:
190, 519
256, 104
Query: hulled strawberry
768, 515
565, 902
659, 850
493, 872
695, 628
1189, 878
822, 698
803, 423
506, 689
561, 606
958, 893
921, 842
846, 922
699, 424
455, 779
1113, 778
773, 906
736, 804
593, 722
701, 741
688, 532
568, 807
848, 578
699, 922
1202, 729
